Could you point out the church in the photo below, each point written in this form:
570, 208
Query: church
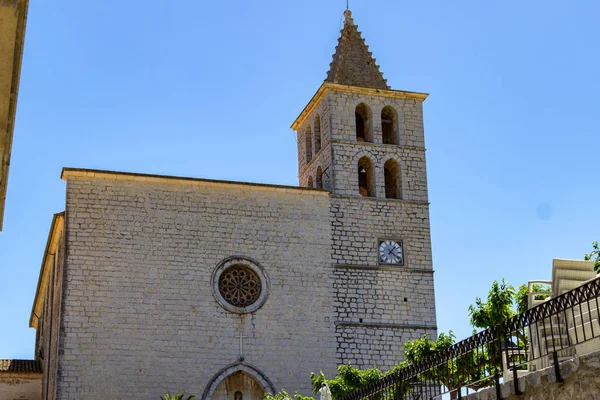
152, 284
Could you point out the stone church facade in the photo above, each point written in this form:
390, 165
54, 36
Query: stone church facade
229, 289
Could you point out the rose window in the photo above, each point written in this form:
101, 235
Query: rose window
240, 286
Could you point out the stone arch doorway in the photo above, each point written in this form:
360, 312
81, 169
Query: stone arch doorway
238, 381
239, 386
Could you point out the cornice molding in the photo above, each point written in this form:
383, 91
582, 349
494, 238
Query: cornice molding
68, 173
328, 86
384, 268
56, 231
383, 325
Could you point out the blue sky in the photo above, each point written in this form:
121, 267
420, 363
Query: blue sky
209, 89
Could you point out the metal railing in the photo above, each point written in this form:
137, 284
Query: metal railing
559, 328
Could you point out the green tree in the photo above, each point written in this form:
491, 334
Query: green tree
497, 309
178, 396
594, 256
348, 379
420, 349
283, 395
468, 370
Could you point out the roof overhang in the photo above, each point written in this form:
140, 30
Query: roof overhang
26, 369
328, 86
56, 230
13, 19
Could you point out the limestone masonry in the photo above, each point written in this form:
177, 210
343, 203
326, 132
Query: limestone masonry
227, 289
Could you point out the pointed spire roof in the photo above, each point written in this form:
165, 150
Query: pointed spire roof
353, 64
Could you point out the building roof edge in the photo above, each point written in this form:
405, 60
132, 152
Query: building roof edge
167, 179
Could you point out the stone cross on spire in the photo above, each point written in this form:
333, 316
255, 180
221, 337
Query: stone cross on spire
353, 64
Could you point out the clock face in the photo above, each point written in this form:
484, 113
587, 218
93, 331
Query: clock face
391, 252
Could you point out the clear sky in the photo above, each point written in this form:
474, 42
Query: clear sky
209, 89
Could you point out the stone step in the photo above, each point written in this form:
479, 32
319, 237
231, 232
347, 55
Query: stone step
585, 331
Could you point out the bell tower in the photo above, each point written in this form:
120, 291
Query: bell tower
358, 137
364, 142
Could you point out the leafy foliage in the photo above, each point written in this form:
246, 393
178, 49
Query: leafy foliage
420, 349
594, 256
283, 395
497, 309
178, 396
348, 380
459, 372
522, 296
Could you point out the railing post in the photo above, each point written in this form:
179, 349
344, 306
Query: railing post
516, 380
556, 367
499, 331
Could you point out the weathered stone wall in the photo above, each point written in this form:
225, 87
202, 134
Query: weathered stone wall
413, 178
141, 255
322, 110
395, 303
393, 295
358, 223
342, 107
409, 153
139, 317
338, 128
377, 308
581, 381
48, 327
20, 388
323, 161
376, 345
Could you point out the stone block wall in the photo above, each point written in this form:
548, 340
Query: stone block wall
138, 308
580, 381
342, 107
323, 160
338, 128
139, 317
413, 175
368, 345
47, 330
322, 110
20, 388
390, 295
379, 307
409, 152
359, 222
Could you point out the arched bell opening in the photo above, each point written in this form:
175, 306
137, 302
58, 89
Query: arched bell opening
366, 177
364, 123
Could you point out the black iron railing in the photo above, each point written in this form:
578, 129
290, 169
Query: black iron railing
559, 328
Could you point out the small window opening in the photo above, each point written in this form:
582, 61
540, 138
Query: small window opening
317, 134
389, 125
364, 131
308, 144
366, 177
391, 172
319, 178
238, 396
310, 182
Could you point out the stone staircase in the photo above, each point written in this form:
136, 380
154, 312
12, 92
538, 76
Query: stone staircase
567, 329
